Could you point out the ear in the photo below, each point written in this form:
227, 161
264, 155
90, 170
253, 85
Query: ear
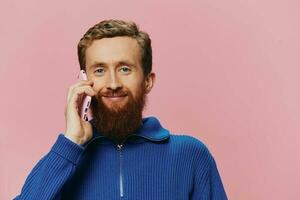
149, 82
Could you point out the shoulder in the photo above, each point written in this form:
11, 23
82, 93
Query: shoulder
190, 145
188, 141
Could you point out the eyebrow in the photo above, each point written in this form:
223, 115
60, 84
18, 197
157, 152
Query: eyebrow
122, 62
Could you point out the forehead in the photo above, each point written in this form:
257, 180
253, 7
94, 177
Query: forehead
113, 50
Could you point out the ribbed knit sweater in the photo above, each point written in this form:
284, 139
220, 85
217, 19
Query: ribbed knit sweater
151, 164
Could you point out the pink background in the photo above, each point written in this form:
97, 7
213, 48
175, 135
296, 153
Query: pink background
227, 73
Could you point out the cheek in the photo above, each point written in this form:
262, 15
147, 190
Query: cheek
98, 85
136, 89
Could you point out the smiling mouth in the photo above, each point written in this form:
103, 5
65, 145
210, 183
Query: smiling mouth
114, 98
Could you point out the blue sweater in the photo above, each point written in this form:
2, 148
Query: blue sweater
151, 164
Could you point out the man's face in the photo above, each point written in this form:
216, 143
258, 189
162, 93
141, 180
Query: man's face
113, 64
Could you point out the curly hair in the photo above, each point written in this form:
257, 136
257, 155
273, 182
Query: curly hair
112, 28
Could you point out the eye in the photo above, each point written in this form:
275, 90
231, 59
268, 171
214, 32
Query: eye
125, 69
99, 71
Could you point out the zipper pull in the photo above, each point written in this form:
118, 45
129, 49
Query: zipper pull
119, 146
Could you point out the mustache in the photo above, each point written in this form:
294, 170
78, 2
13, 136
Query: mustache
111, 93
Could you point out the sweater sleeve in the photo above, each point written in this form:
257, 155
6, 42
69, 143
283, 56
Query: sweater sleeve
48, 176
207, 181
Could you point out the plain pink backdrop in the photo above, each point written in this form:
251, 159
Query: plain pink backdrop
227, 73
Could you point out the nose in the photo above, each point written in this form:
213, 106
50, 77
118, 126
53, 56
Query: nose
113, 83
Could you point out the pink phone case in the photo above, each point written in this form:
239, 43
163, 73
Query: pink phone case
85, 112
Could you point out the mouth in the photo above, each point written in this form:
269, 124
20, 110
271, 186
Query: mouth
114, 98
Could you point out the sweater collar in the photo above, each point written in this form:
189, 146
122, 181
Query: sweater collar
151, 130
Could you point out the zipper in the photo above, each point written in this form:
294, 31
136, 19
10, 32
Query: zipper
120, 146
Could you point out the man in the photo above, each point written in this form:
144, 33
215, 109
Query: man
119, 154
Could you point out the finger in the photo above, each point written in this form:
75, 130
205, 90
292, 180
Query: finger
81, 83
77, 93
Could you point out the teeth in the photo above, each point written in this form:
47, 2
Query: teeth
114, 96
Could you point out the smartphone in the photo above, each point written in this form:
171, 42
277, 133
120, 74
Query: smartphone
85, 110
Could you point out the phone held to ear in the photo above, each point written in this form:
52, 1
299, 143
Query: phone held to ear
85, 111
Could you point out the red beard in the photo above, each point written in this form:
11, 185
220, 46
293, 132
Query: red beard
117, 122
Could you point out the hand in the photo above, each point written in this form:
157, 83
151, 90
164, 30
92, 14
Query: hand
78, 130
